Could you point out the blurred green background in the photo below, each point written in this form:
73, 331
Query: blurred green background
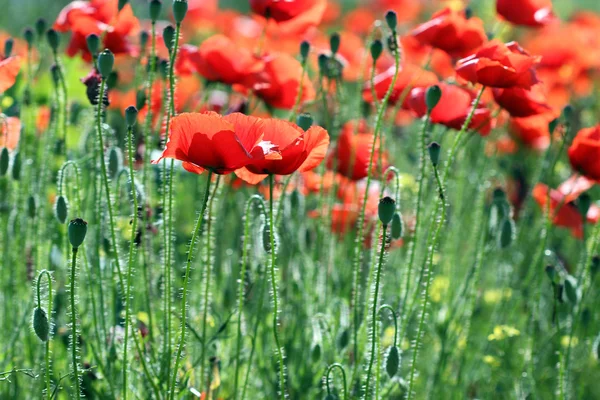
16, 14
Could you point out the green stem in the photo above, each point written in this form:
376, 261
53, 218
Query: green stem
49, 313
74, 337
186, 279
328, 379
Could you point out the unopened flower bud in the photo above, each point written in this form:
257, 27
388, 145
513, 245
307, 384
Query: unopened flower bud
304, 121
29, 36
93, 43
304, 50
8, 47
77, 232
144, 37
432, 97
155, 8
61, 209
16, 167
583, 204
4, 161
53, 39
397, 227
334, 42
31, 206
106, 61
392, 20
387, 209
41, 325
180, 8
131, 114
122, 4
169, 37
376, 49
434, 153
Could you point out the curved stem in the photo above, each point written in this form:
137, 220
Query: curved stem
49, 313
186, 279
74, 325
327, 379
395, 318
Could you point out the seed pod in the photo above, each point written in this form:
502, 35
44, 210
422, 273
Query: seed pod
169, 37
115, 161
8, 47
93, 43
61, 209
41, 325
432, 97
304, 50
571, 290
106, 61
376, 49
4, 161
386, 209
507, 233
434, 153
131, 116
180, 8
31, 206
392, 20
304, 121
16, 167
77, 232
334, 42
155, 8
40, 26
397, 227
53, 39
392, 362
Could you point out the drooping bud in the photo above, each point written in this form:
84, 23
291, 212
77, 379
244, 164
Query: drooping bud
131, 114
304, 121
16, 167
77, 232
4, 161
334, 42
8, 47
140, 99
106, 61
392, 20
180, 8
93, 43
595, 267
53, 39
386, 209
61, 209
41, 325
434, 153
304, 50
115, 161
155, 8
392, 362
432, 97
169, 37
571, 290
397, 227
507, 233
376, 49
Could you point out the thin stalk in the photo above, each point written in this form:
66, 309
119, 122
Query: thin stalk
328, 379
49, 314
74, 325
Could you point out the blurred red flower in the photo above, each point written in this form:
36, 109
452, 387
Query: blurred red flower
450, 31
9, 70
10, 132
499, 65
291, 16
584, 153
410, 76
221, 144
300, 151
534, 131
526, 12
521, 102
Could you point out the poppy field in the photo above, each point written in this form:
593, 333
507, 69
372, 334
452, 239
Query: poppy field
300, 199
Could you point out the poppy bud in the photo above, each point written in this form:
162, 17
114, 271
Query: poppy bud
343, 339
115, 161
55, 73
434, 153
155, 8
163, 67
499, 194
93, 43
376, 49
304, 50
316, 352
392, 20
40, 26
507, 233
61, 209
8, 47
432, 97
392, 362
140, 99
53, 39
387, 209
144, 37
112, 80
131, 116
180, 8
41, 325
31, 206
551, 273
583, 204
106, 61
4, 160
552, 125
468, 13
122, 4
304, 121
334, 42
323, 64
169, 37
571, 289
568, 113
397, 227
16, 167
77, 232
28, 36
595, 265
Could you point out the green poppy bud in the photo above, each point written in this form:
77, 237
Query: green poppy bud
432, 97
31, 206
131, 114
304, 50
8, 47
323, 64
552, 125
583, 204
316, 352
77, 232
155, 8
376, 49
392, 362
93, 43
53, 39
16, 167
115, 161
434, 153
4, 161
304, 121
122, 4
106, 61
571, 289
595, 267
41, 325
179, 10
40, 27
387, 209
499, 194
568, 113
392, 20
140, 99
507, 233
61, 209
343, 339
334, 42
144, 37
29, 36
397, 227
169, 37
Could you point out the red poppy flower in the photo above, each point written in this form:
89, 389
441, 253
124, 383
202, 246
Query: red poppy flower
10, 132
291, 16
533, 131
450, 31
300, 151
410, 76
526, 12
280, 82
521, 102
453, 108
218, 59
499, 65
222, 144
584, 152
353, 151
9, 69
